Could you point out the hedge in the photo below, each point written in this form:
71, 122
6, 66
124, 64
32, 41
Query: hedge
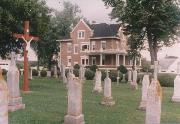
34, 72
43, 73
89, 74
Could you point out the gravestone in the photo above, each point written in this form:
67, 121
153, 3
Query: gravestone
3, 100
108, 99
39, 73
74, 115
118, 77
63, 74
30, 74
98, 86
48, 73
21, 72
145, 85
15, 101
129, 76
176, 94
134, 84
55, 72
154, 97
82, 73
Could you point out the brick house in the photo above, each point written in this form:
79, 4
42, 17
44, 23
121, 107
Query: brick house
102, 44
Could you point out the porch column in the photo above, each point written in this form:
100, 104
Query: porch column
140, 62
100, 59
131, 63
135, 63
117, 59
124, 60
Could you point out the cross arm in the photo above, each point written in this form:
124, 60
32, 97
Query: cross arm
15, 35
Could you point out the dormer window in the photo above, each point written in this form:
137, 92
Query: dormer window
81, 34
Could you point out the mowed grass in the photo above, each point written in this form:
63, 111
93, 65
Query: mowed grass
47, 104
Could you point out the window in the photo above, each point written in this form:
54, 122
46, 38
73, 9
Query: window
93, 60
69, 60
85, 47
103, 45
76, 48
69, 47
81, 34
93, 45
103, 59
84, 60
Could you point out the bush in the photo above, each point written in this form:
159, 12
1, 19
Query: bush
93, 68
4, 72
76, 66
166, 80
34, 72
122, 69
52, 73
43, 73
76, 72
89, 74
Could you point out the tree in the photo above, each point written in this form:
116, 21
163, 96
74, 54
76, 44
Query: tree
13, 13
153, 20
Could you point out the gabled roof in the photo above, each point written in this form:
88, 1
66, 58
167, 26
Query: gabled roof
166, 62
105, 30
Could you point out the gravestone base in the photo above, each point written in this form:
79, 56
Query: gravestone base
69, 119
108, 101
134, 86
142, 106
175, 99
15, 104
99, 90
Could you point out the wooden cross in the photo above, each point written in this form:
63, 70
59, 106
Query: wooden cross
27, 39
156, 69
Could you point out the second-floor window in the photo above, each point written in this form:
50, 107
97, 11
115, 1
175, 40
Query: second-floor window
93, 45
103, 45
69, 47
81, 34
84, 47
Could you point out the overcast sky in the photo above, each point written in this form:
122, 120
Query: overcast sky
93, 10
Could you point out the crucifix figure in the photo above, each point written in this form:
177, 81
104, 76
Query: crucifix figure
27, 39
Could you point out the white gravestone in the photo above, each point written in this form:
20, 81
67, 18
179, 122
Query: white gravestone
129, 76
154, 98
176, 94
30, 74
39, 73
118, 77
15, 101
55, 72
74, 115
3, 100
63, 74
134, 84
98, 86
145, 85
108, 99
82, 73
48, 73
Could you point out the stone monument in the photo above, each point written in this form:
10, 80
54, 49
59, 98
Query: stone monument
74, 115
82, 73
63, 74
98, 86
176, 94
48, 73
134, 84
129, 76
15, 101
108, 99
3, 100
55, 72
154, 97
118, 77
30, 74
145, 85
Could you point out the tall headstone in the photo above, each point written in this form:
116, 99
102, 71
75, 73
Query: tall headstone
176, 94
63, 74
3, 100
55, 72
154, 97
15, 101
118, 77
48, 73
134, 84
82, 73
129, 76
74, 115
30, 73
144, 90
98, 86
108, 99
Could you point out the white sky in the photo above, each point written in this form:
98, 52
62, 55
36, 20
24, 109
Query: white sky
94, 10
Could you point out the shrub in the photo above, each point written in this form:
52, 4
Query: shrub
76, 72
89, 74
34, 72
43, 73
122, 69
76, 66
52, 73
166, 80
93, 68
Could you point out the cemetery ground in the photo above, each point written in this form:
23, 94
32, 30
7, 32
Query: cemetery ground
47, 104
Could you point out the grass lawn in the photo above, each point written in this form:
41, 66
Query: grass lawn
47, 104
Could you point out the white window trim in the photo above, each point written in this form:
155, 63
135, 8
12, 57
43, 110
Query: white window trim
85, 43
85, 57
76, 45
94, 58
101, 44
79, 32
93, 43
68, 49
69, 57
